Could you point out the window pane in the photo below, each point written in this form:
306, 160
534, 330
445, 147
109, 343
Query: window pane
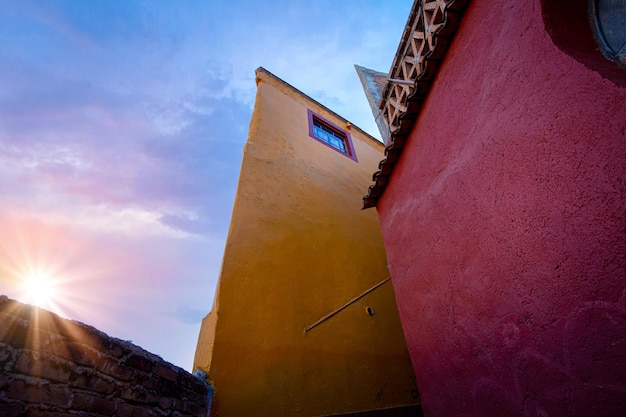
609, 17
331, 135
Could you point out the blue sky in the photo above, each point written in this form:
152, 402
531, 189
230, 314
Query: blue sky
121, 130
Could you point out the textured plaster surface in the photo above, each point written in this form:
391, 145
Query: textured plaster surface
299, 247
505, 227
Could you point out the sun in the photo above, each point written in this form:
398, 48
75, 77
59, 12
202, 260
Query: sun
39, 289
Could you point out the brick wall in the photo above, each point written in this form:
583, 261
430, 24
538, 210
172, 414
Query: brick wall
53, 367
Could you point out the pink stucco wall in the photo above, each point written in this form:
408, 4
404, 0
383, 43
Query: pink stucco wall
505, 226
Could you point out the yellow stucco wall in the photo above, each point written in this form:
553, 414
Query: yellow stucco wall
298, 248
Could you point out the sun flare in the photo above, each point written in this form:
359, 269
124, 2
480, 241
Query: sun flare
39, 289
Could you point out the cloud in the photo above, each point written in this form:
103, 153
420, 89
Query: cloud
122, 126
130, 286
189, 224
157, 145
188, 315
310, 48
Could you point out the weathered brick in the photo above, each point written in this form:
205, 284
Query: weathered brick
82, 400
139, 362
79, 354
87, 378
39, 412
5, 379
81, 333
43, 366
26, 362
148, 381
189, 407
37, 341
114, 369
124, 410
111, 347
166, 403
16, 309
83, 355
13, 332
165, 372
144, 412
198, 386
87, 401
170, 388
49, 322
56, 344
139, 394
104, 406
42, 392
94, 338
190, 382
82, 372
137, 350
11, 409
81, 377
128, 410
6, 354
8, 321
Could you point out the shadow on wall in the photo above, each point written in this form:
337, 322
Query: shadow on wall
53, 365
568, 24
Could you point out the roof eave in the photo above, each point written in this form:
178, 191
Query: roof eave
428, 33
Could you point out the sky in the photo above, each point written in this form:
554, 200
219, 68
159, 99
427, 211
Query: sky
122, 125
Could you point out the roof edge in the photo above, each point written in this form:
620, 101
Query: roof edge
433, 23
295, 90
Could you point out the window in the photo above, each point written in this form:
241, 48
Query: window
573, 24
608, 19
334, 139
331, 135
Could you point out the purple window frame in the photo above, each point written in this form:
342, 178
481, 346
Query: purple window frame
350, 153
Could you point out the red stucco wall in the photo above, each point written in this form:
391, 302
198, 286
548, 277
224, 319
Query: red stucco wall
505, 227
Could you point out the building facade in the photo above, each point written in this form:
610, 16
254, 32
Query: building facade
502, 201
304, 321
